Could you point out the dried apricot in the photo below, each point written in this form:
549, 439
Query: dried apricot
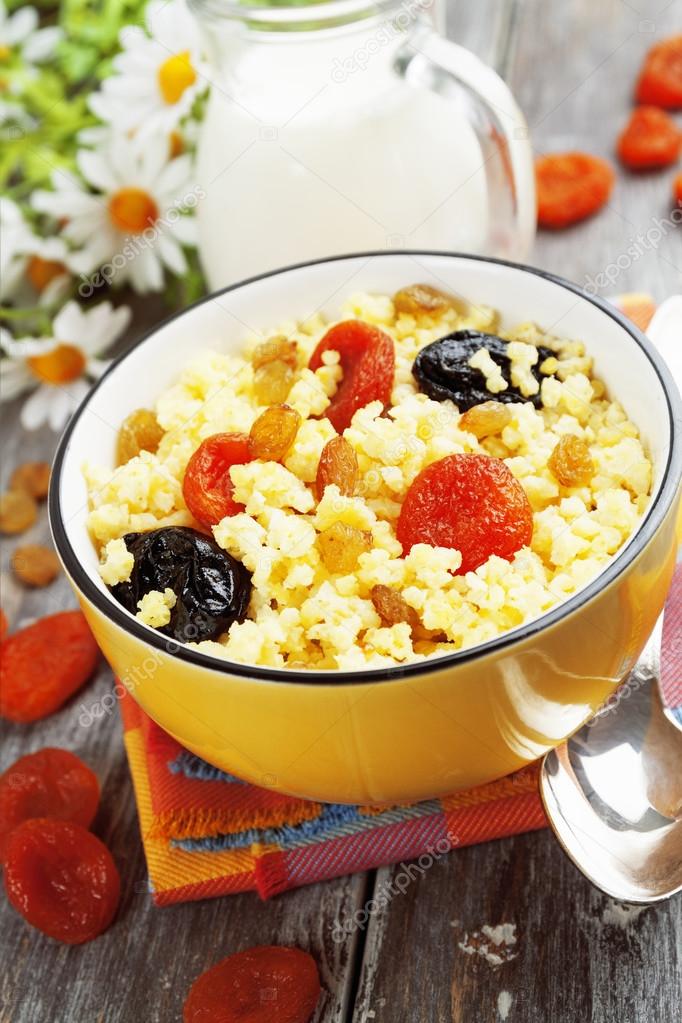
272, 382
650, 139
417, 299
273, 433
570, 187
340, 546
486, 419
266, 984
339, 465
638, 307
42, 665
275, 349
18, 511
660, 80
368, 364
570, 462
35, 565
207, 486
677, 190
33, 477
140, 431
49, 783
471, 503
62, 879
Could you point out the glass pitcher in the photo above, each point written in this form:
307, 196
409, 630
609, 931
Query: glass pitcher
348, 126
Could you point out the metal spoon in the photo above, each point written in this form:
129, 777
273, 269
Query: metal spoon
613, 792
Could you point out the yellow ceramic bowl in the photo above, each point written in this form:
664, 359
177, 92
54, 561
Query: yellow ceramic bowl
425, 729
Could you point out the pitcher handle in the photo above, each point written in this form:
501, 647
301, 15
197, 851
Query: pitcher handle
507, 161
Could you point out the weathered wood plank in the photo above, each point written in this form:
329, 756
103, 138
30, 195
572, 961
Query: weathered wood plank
141, 969
579, 956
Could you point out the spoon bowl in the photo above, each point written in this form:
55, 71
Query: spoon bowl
613, 792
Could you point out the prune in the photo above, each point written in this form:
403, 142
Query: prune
212, 588
443, 372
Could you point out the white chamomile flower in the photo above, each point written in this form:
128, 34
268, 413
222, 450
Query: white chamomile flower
21, 36
30, 267
159, 75
58, 366
137, 222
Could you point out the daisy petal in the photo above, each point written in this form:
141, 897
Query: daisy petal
35, 409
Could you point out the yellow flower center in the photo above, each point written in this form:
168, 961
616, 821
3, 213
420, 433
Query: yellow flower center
5, 52
132, 210
175, 75
41, 271
63, 364
176, 144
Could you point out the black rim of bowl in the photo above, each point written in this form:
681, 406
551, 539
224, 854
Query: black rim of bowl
647, 528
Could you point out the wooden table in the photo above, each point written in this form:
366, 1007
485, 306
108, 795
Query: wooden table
579, 956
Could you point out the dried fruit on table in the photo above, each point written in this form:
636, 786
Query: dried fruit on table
266, 984
275, 349
140, 431
338, 465
62, 879
442, 370
571, 462
418, 299
660, 80
49, 783
33, 477
368, 364
677, 190
470, 503
273, 433
570, 187
18, 511
486, 419
35, 565
207, 485
650, 139
341, 545
42, 665
638, 307
212, 588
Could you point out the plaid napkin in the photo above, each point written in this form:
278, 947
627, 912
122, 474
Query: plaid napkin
207, 833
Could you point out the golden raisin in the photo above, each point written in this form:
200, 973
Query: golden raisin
423, 298
35, 565
275, 349
571, 463
272, 382
273, 433
32, 477
486, 419
392, 608
340, 546
140, 431
18, 511
338, 464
